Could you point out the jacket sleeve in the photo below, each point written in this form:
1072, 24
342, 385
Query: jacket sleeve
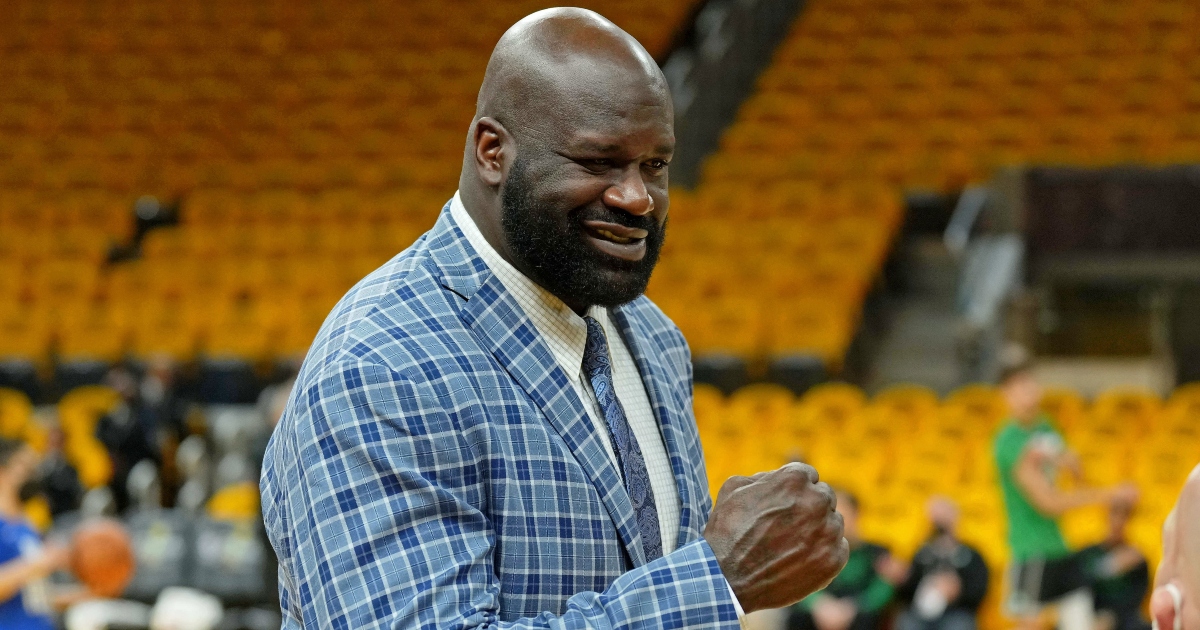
974, 579
379, 524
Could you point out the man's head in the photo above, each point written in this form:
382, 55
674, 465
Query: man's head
565, 171
1175, 602
1021, 390
943, 515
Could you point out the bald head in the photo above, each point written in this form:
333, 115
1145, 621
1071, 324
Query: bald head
565, 55
565, 169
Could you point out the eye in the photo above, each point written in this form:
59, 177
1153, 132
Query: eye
657, 165
598, 164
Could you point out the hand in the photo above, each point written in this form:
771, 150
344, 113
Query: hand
831, 613
1123, 559
777, 536
1070, 461
892, 571
54, 556
948, 584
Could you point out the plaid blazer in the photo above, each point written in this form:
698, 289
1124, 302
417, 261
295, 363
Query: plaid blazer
434, 467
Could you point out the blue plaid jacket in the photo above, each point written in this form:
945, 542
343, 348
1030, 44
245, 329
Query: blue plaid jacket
435, 469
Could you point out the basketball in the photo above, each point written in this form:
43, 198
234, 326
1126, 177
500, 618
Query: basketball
102, 557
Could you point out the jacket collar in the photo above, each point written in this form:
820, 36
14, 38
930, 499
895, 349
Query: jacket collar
503, 329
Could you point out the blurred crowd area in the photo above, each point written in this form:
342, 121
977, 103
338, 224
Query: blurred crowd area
272, 130
285, 149
903, 447
182, 479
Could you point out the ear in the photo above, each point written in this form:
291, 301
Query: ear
494, 150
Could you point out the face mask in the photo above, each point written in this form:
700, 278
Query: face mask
1177, 600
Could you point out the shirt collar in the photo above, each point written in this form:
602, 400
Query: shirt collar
564, 331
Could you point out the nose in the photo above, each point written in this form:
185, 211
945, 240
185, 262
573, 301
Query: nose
630, 194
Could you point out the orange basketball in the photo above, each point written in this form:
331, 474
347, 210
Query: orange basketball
102, 556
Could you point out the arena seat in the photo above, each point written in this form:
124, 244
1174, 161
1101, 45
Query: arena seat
867, 99
306, 147
903, 445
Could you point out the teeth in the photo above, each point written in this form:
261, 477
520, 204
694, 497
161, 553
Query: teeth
613, 237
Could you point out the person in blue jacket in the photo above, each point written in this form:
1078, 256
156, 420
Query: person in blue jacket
25, 562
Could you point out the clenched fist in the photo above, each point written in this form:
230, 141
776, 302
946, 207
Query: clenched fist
777, 536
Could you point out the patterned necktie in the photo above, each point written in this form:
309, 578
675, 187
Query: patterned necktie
598, 367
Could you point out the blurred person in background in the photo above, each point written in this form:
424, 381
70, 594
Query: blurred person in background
948, 579
1121, 576
25, 562
1175, 603
163, 410
59, 480
1030, 454
858, 597
127, 432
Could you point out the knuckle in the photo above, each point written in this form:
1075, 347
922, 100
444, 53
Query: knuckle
799, 471
827, 493
735, 480
812, 474
835, 526
731, 484
808, 472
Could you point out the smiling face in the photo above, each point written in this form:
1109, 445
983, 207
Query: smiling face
566, 166
584, 205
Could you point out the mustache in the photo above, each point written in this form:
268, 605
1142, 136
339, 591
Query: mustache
643, 222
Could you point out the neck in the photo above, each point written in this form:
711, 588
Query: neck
485, 212
1027, 421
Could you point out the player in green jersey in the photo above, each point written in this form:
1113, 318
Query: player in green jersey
1030, 453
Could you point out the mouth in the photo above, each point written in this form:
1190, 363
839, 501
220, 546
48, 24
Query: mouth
616, 240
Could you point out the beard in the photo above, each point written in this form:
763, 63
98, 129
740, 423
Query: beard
553, 244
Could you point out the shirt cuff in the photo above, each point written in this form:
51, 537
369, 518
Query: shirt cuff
737, 606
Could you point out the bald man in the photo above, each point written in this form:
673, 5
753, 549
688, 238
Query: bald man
495, 428
1175, 603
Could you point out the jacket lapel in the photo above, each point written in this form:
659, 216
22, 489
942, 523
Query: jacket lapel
669, 413
502, 328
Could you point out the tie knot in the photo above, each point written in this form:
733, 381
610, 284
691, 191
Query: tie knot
593, 327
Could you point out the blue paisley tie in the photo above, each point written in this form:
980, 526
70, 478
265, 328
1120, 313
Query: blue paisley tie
598, 367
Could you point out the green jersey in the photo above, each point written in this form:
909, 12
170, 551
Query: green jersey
1031, 534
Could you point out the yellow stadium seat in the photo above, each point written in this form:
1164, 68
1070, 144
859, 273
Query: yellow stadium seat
89, 458
911, 405
834, 403
236, 502
37, 512
16, 413
1064, 406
